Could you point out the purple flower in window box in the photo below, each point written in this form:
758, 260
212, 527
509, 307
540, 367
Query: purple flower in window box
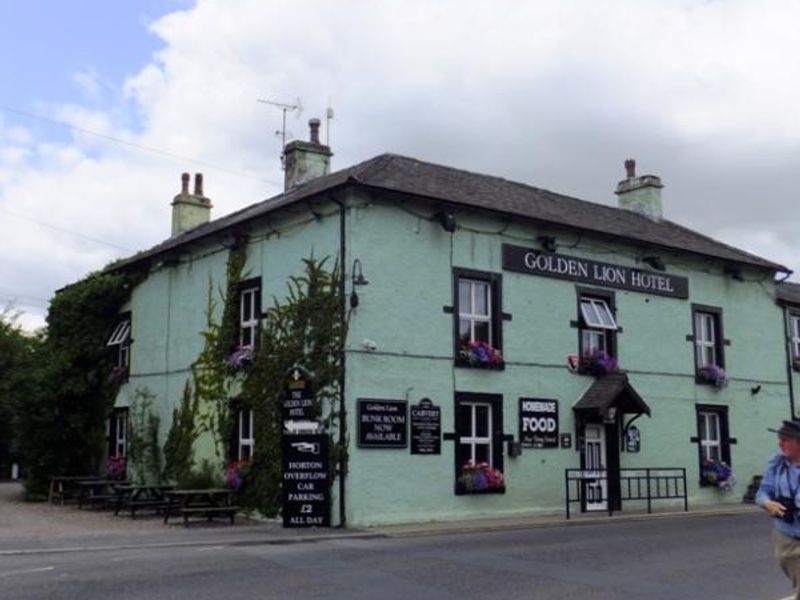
713, 374
480, 354
598, 363
717, 474
118, 375
480, 477
116, 467
241, 357
236, 473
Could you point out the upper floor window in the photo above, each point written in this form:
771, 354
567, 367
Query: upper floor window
597, 332
249, 311
478, 319
706, 339
794, 336
120, 339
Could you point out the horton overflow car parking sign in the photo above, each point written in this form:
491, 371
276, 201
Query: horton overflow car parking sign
538, 423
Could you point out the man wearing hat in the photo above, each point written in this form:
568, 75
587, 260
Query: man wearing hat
779, 496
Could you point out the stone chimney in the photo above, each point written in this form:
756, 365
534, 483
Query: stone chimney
640, 194
304, 161
190, 210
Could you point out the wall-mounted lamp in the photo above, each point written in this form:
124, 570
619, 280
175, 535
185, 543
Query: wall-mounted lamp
734, 272
654, 262
548, 242
755, 389
610, 414
357, 278
447, 220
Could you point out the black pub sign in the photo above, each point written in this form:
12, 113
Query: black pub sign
560, 266
298, 401
538, 423
306, 481
382, 423
426, 428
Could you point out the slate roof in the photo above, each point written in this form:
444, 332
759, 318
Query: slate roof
457, 187
612, 390
788, 292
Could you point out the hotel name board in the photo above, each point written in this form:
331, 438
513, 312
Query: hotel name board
547, 264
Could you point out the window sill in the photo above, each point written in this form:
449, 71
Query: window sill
460, 491
464, 364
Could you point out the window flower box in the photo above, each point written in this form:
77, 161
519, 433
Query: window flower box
241, 358
713, 375
717, 474
480, 478
118, 375
480, 355
116, 468
598, 364
236, 474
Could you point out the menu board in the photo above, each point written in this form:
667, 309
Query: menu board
538, 423
298, 402
382, 423
426, 428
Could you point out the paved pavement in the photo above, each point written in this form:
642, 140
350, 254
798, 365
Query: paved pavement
27, 528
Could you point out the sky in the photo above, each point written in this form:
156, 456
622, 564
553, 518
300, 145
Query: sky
104, 104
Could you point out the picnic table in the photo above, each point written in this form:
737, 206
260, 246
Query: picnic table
97, 492
66, 486
146, 496
207, 503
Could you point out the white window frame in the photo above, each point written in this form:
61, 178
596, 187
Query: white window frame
705, 339
245, 442
249, 296
469, 315
121, 441
597, 314
794, 335
710, 421
593, 340
473, 439
120, 338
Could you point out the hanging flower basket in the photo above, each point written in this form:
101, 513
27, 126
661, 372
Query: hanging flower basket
598, 364
241, 358
481, 354
714, 375
717, 474
480, 478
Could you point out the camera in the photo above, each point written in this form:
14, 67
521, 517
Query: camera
791, 510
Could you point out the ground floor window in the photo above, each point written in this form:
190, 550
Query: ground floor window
713, 441
118, 433
479, 443
246, 439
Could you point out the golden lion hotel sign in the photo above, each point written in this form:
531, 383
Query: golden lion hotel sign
559, 266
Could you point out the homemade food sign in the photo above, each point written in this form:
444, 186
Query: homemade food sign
545, 264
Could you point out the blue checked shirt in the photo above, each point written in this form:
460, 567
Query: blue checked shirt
781, 479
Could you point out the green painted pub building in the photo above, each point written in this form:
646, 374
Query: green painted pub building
502, 338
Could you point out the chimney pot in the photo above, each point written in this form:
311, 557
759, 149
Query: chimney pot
630, 168
198, 184
314, 126
185, 184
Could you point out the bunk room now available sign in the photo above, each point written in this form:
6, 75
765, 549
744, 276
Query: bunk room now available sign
573, 268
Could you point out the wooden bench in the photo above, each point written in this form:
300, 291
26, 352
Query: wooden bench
133, 498
202, 503
209, 512
65, 487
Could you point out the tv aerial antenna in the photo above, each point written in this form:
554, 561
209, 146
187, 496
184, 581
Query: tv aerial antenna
296, 108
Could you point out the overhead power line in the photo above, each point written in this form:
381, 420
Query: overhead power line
65, 230
137, 146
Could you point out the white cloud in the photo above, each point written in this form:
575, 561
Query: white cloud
553, 94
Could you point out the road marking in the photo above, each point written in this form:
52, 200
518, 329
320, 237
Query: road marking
39, 570
207, 548
129, 557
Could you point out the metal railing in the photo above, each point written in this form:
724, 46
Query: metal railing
645, 484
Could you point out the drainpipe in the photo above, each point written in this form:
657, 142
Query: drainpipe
789, 369
343, 321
